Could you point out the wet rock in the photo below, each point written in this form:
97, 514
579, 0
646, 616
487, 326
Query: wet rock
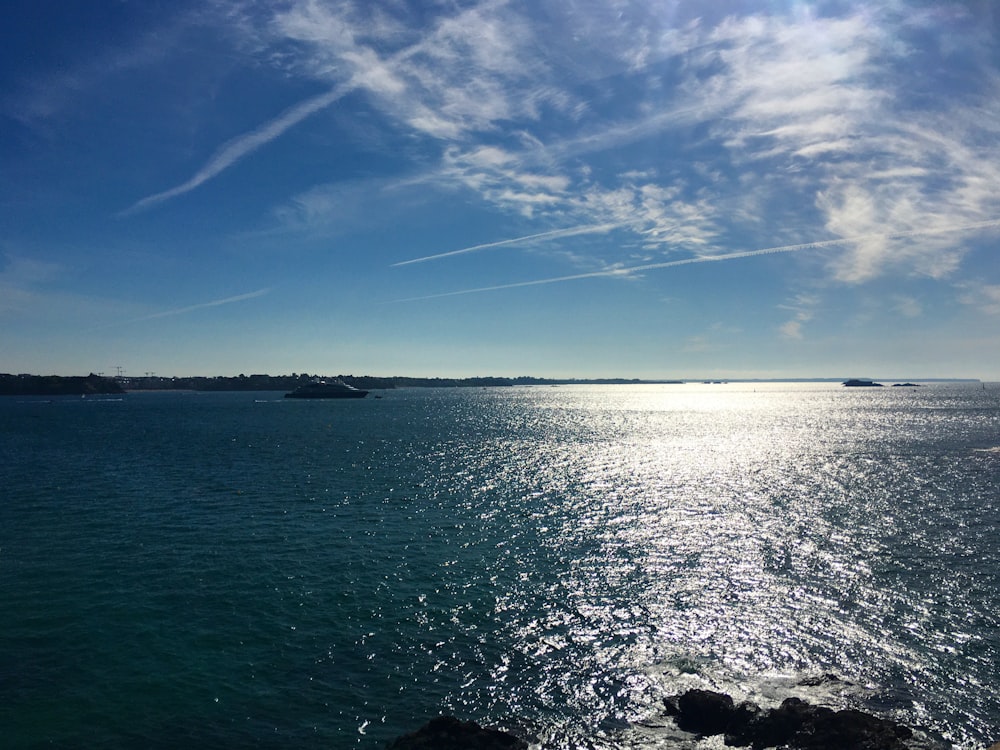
794, 724
701, 711
449, 733
706, 712
823, 679
852, 728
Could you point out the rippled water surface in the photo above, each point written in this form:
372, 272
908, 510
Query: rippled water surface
238, 570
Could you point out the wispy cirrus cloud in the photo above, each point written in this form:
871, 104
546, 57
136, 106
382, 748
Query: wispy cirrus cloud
984, 297
657, 214
907, 306
34, 292
28, 290
459, 73
202, 306
529, 238
630, 271
821, 99
20, 280
716, 120
477, 48
802, 308
794, 104
242, 146
44, 95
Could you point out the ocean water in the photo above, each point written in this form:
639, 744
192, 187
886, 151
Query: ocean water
239, 570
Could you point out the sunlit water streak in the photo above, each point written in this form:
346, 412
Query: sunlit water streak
233, 570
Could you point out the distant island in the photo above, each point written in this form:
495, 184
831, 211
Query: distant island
859, 383
95, 384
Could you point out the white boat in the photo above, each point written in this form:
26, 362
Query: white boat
327, 389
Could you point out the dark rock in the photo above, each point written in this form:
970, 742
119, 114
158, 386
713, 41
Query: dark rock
823, 679
851, 728
449, 733
706, 712
702, 711
794, 724
779, 726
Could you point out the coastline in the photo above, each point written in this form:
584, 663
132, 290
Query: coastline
57, 385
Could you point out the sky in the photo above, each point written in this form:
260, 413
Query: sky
556, 188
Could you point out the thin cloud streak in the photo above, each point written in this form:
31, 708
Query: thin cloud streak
715, 258
245, 144
203, 305
554, 234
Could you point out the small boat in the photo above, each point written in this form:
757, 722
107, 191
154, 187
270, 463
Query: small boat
327, 389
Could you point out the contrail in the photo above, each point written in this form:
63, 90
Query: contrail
716, 258
192, 308
554, 234
242, 145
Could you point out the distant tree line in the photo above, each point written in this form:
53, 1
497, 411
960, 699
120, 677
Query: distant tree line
60, 385
247, 382
56, 385
365, 382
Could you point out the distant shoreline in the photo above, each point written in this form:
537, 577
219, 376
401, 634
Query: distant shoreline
52, 385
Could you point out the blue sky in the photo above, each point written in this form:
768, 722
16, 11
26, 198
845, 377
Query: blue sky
654, 189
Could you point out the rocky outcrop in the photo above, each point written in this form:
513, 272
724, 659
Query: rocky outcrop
794, 724
449, 733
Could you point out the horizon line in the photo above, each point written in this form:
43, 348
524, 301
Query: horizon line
695, 380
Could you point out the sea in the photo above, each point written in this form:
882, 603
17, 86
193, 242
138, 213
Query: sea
240, 570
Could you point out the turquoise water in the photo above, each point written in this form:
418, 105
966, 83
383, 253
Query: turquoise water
239, 570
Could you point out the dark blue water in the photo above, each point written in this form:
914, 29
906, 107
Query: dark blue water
240, 570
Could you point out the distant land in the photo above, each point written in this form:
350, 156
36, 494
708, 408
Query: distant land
59, 385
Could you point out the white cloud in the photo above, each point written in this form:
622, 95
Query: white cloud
906, 306
811, 89
465, 73
803, 307
814, 98
984, 297
792, 329
807, 132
